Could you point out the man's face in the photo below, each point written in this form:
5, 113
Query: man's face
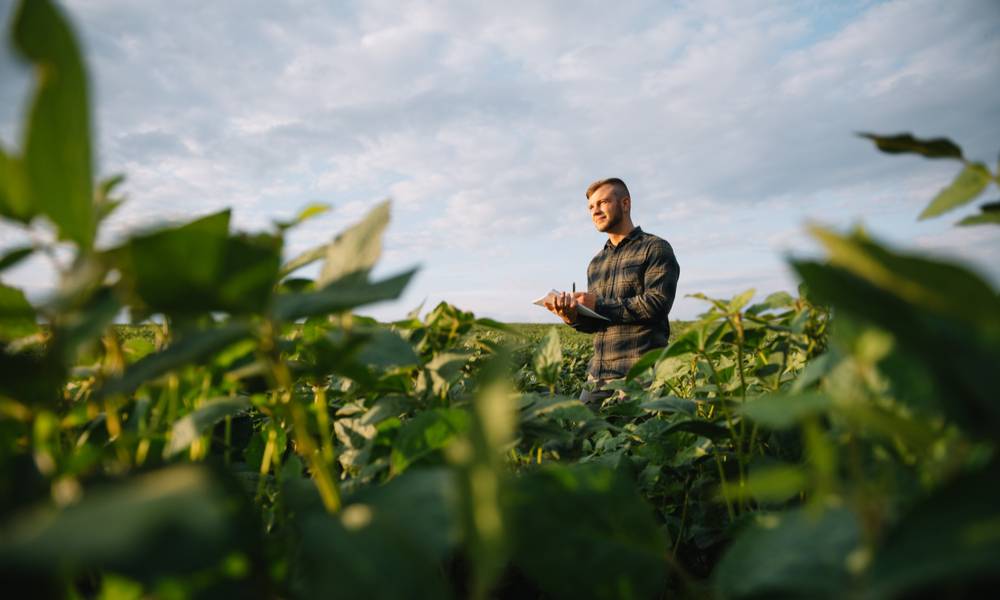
606, 209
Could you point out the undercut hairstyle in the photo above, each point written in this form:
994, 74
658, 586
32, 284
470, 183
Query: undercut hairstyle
621, 190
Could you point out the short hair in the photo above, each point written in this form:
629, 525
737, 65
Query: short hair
620, 187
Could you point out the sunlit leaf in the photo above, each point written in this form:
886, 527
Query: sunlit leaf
547, 360
775, 300
308, 212
339, 296
429, 431
305, 258
557, 407
357, 249
104, 204
14, 201
642, 365
740, 300
966, 187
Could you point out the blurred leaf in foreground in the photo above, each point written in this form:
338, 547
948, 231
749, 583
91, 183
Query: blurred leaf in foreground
175, 520
905, 143
57, 155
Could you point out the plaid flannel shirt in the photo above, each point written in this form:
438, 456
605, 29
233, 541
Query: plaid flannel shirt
635, 283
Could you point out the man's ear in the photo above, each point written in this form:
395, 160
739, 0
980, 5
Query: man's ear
627, 204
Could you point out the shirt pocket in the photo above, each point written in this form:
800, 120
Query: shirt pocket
632, 277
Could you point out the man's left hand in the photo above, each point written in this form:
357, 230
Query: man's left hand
587, 299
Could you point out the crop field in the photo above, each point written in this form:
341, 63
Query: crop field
249, 436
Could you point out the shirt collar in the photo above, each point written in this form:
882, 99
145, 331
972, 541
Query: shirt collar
636, 232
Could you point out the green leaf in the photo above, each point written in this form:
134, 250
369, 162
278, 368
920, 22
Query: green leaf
197, 267
773, 483
32, 378
780, 411
991, 218
385, 349
644, 363
339, 296
548, 358
191, 426
57, 154
966, 187
905, 143
84, 324
387, 542
671, 404
795, 554
584, 532
557, 407
936, 285
990, 215
668, 369
190, 349
172, 521
14, 201
950, 539
740, 300
174, 267
249, 273
15, 256
104, 204
775, 300
356, 250
425, 434
17, 316
306, 258
956, 350
312, 210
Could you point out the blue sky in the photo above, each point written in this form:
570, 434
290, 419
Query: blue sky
732, 123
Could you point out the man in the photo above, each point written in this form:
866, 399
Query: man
632, 281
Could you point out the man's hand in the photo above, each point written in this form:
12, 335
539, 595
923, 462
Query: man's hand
563, 305
587, 299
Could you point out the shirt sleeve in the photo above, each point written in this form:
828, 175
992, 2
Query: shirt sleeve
660, 287
588, 324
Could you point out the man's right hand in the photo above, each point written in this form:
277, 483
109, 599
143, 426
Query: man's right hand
563, 306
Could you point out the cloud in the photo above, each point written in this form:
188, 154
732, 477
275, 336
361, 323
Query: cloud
732, 123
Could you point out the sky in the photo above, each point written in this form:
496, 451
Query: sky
732, 123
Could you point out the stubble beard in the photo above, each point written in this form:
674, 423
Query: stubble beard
609, 223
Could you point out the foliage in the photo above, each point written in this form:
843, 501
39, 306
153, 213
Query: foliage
249, 436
